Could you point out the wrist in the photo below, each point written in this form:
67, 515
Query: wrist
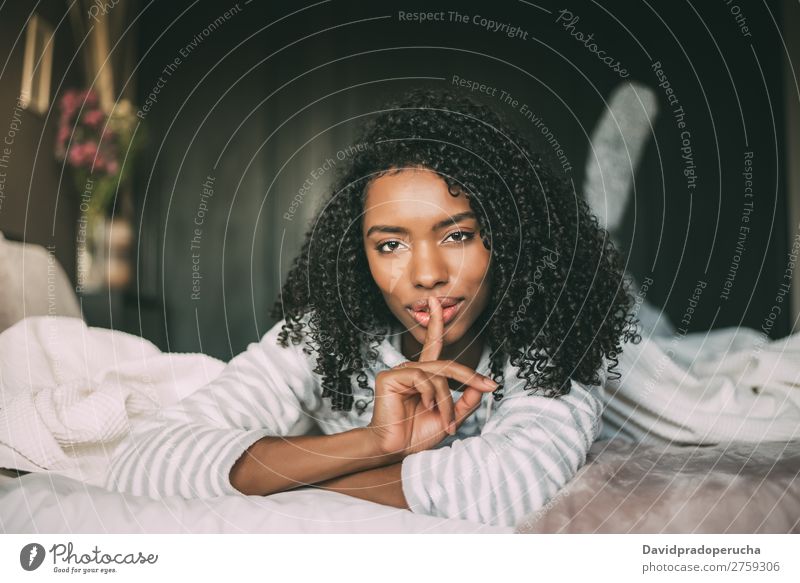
376, 447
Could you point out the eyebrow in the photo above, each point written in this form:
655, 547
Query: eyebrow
440, 225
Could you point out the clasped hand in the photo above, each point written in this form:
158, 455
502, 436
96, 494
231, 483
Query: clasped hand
414, 408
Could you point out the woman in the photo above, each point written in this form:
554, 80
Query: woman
447, 264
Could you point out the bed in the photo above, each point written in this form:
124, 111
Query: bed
52, 503
625, 486
628, 487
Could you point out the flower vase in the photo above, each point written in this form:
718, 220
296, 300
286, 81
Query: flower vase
104, 253
119, 236
92, 256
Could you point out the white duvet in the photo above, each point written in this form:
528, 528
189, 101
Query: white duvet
67, 395
49, 503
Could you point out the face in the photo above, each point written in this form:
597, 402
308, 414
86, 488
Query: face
421, 242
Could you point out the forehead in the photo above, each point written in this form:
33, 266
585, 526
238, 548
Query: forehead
411, 196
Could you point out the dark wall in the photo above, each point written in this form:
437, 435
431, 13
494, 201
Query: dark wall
36, 205
731, 90
268, 96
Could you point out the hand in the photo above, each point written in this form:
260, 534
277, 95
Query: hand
414, 408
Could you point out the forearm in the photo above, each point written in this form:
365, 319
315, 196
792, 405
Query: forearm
274, 464
382, 485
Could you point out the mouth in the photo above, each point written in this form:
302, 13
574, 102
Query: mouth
450, 308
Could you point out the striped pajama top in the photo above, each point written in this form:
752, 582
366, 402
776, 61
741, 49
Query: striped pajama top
494, 472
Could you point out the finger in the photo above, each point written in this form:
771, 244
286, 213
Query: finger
470, 400
426, 388
444, 400
457, 371
432, 347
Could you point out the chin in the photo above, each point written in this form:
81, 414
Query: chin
452, 333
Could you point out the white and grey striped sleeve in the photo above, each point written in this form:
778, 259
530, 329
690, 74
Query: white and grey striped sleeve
188, 449
530, 448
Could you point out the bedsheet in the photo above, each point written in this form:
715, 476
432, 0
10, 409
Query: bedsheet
628, 487
54, 503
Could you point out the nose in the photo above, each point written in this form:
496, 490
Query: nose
428, 266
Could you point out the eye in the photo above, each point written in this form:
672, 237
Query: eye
381, 247
461, 236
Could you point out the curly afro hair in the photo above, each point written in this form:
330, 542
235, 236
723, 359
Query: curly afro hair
560, 301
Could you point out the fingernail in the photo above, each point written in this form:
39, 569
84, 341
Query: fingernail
452, 428
490, 383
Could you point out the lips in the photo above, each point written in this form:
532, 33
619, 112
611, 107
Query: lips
450, 308
422, 305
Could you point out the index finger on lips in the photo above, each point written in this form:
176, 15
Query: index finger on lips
459, 372
433, 337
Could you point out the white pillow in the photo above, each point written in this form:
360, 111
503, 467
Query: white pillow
10, 307
32, 283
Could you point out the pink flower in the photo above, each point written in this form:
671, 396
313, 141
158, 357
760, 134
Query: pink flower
90, 98
70, 102
94, 118
89, 151
106, 161
75, 155
61, 140
95, 146
82, 154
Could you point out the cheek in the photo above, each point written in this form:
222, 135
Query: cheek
479, 278
476, 267
387, 272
